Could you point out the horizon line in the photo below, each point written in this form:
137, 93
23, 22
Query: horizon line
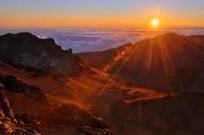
92, 27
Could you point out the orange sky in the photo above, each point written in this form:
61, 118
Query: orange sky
83, 21
106, 13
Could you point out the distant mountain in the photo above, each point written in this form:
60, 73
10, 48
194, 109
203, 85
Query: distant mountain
29, 51
167, 62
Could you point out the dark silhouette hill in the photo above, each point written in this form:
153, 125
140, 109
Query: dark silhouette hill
30, 52
167, 62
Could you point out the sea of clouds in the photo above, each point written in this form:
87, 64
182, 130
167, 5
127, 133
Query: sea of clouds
98, 39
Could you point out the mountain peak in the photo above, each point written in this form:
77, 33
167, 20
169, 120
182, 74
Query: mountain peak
28, 51
168, 61
20, 35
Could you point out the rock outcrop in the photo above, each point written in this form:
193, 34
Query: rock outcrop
12, 84
27, 51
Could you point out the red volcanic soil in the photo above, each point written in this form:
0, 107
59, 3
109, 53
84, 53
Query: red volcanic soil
154, 87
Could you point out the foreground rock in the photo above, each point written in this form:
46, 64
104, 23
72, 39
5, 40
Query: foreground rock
9, 125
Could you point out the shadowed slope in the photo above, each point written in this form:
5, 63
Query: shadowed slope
169, 62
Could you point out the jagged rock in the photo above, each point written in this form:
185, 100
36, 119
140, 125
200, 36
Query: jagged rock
8, 123
25, 119
5, 106
28, 51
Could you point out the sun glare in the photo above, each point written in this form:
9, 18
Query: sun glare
155, 23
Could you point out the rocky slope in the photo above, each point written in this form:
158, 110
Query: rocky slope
9, 125
34, 73
63, 119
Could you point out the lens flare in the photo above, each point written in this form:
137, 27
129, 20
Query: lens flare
155, 23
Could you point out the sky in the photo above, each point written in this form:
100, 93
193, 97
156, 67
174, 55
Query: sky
100, 13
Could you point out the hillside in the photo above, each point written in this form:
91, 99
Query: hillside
167, 62
164, 85
36, 77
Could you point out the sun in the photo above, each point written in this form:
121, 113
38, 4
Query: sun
155, 23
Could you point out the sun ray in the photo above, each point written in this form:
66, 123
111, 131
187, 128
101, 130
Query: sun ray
166, 58
131, 52
148, 61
